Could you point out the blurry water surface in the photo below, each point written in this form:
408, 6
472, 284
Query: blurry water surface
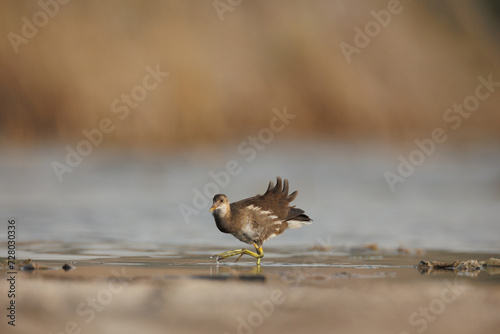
450, 202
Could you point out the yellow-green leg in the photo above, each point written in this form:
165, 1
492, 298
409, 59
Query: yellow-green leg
258, 255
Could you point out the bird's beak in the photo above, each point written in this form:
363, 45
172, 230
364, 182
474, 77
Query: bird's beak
212, 208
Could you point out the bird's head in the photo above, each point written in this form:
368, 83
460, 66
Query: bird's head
220, 205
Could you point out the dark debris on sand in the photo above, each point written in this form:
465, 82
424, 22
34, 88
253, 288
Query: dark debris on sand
457, 266
28, 265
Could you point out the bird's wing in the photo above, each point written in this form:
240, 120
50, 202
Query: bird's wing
276, 199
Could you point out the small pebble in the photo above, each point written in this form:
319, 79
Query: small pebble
67, 267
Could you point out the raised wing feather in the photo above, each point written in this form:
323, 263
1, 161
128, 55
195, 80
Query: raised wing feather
276, 199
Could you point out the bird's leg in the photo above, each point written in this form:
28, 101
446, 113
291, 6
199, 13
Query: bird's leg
241, 252
239, 257
259, 255
260, 252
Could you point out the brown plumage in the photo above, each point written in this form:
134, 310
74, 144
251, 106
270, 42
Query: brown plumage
254, 220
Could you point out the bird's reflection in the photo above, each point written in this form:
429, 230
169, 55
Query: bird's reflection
239, 272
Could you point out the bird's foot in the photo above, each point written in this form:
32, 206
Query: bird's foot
217, 258
239, 252
227, 254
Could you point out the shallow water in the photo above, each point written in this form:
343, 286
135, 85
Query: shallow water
182, 289
115, 202
286, 265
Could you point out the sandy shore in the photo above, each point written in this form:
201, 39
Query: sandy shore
121, 296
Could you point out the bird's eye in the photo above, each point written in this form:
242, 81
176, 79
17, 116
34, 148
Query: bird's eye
220, 201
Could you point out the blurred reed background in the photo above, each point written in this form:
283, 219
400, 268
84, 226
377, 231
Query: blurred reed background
227, 75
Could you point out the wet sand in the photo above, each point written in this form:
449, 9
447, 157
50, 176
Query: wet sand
318, 292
